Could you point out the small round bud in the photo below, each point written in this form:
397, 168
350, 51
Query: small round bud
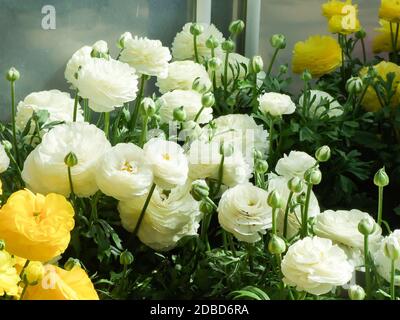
354, 85
261, 166
236, 27
257, 64
196, 29
214, 63
34, 272
226, 149
360, 34
306, 76
228, 46
122, 39
323, 154
278, 41
276, 245
258, 154
275, 200
179, 114
2, 245
200, 190
313, 176
212, 42
148, 107
200, 85
12, 75
126, 258
366, 226
72, 263
100, 49
231, 100
208, 100
356, 292
71, 160
295, 185
381, 178
392, 248
7, 145
283, 68
206, 207
301, 198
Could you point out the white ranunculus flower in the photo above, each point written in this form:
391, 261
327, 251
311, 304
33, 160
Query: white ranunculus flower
383, 263
243, 211
190, 131
100, 46
331, 107
107, 84
169, 217
190, 100
183, 48
236, 170
276, 104
168, 162
236, 61
316, 266
59, 105
146, 56
342, 226
123, 172
295, 164
279, 184
79, 59
181, 75
4, 159
45, 171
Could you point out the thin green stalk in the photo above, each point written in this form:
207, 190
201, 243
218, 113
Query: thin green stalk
71, 187
75, 106
106, 123
214, 78
287, 214
220, 174
272, 61
392, 273
144, 131
142, 213
342, 67
135, 112
366, 265
196, 54
15, 163
249, 248
21, 275
363, 51
198, 114
304, 218
14, 131
226, 73
274, 221
271, 136
380, 204
23, 291
231, 244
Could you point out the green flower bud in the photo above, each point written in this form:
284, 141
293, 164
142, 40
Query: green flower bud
295, 185
71, 263
196, 29
261, 166
366, 226
236, 27
323, 154
257, 64
12, 75
214, 63
354, 85
258, 154
301, 198
283, 68
7, 145
212, 42
306, 76
71, 160
228, 46
100, 49
179, 114
313, 176
231, 100
226, 149
2, 245
208, 100
392, 248
126, 258
275, 200
206, 207
381, 178
199, 190
200, 86
278, 41
276, 245
122, 39
361, 34
356, 292
147, 107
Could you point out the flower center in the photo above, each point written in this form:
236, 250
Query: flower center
166, 156
130, 167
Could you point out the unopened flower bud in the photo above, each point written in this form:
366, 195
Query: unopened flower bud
196, 29
283, 68
392, 248
354, 85
33, 273
122, 39
208, 100
323, 153
100, 49
228, 46
226, 149
295, 185
148, 107
236, 27
278, 41
356, 292
313, 176
231, 100
206, 207
2, 245
366, 226
360, 34
12, 74
7, 145
301, 198
257, 154
200, 85
276, 245
261, 166
126, 258
200, 190
212, 42
71, 160
306, 76
381, 178
179, 114
257, 64
214, 63
72, 263
274, 200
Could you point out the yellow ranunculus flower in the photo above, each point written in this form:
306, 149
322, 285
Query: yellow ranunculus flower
318, 54
342, 25
334, 8
390, 10
9, 278
370, 101
60, 284
382, 41
342, 16
33, 272
36, 227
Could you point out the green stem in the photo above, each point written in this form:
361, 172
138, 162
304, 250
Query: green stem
14, 131
21, 275
142, 213
135, 112
366, 265
196, 54
287, 214
342, 67
274, 221
231, 244
271, 135
144, 131
304, 218
214, 78
220, 174
380, 204
75, 106
106, 123
71, 187
250, 256
363, 51
272, 61
198, 114
392, 273
226, 73
23, 291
